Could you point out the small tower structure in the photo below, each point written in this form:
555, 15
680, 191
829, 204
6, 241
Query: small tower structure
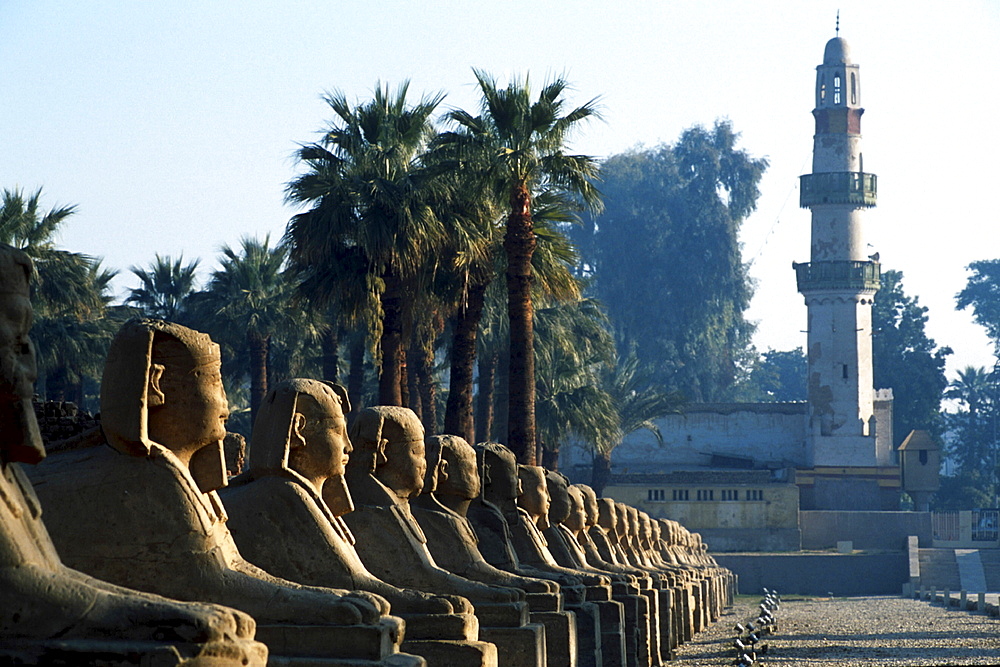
845, 446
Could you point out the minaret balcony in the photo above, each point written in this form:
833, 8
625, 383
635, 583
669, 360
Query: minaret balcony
837, 187
837, 275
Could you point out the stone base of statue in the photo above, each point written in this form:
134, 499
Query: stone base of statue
457, 653
125, 653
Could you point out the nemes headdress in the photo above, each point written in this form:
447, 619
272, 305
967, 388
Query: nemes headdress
21, 439
272, 431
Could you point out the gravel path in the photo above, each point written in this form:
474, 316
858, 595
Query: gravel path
863, 631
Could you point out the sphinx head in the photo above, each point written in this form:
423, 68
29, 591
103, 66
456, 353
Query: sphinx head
301, 426
576, 520
162, 384
591, 511
607, 515
557, 487
451, 468
20, 440
389, 444
534, 497
498, 471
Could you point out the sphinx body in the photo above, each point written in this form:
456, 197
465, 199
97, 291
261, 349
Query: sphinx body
385, 472
48, 612
144, 511
451, 485
567, 518
280, 518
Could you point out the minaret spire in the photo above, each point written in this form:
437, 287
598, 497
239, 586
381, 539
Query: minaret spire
838, 23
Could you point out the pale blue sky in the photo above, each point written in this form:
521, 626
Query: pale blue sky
171, 124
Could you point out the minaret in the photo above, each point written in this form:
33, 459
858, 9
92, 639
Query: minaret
840, 280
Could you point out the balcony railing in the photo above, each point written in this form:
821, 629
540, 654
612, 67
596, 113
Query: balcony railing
839, 275
838, 187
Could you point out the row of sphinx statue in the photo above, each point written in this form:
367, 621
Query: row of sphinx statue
367, 544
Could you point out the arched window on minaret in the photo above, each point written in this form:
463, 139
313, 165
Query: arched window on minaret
836, 88
854, 88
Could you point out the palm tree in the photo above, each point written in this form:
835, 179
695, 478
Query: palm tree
371, 198
164, 287
246, 303
975, 390
572, 345
519, 145
638, 401
70, 295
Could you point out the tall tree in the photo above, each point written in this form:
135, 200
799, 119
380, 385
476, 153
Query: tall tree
245, 303
973, 424
638, 401
906, 360
163, 287
982, 294
665, 257
371, 196
70, 296
520, 143
779, 375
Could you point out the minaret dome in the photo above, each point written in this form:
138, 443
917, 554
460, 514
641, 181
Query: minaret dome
838, 81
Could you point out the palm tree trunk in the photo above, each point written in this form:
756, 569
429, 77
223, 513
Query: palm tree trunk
390, 387
411, 383
356, 375
500, 399
550, 457
484, 398
331, 353
426, 388
258, 346
519, 244
601, 473
458, 412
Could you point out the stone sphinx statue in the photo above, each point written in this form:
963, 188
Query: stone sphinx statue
451, 485
144, 512
49, 613
387, 470
281, 516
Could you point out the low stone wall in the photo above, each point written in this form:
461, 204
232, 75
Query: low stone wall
867, 530
749, 539
819, 574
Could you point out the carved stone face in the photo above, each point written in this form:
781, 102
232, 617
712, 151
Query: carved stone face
17, 363
501, 483
559, 502
534, 493
193, 409
324, 431
591, 511
405, 462
576, 520
607, 516
621, 525
459, 475
645, 530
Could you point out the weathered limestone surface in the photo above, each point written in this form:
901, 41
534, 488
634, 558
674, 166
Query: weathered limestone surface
279, 516
387, 469
49, 613
144, 512
451, 485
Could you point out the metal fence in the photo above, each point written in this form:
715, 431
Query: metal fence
946, 526
985, 525
979, 525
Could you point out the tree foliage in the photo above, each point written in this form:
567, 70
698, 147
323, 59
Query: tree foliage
982, 294
778, 375
70, 295
906, 360
665, 257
